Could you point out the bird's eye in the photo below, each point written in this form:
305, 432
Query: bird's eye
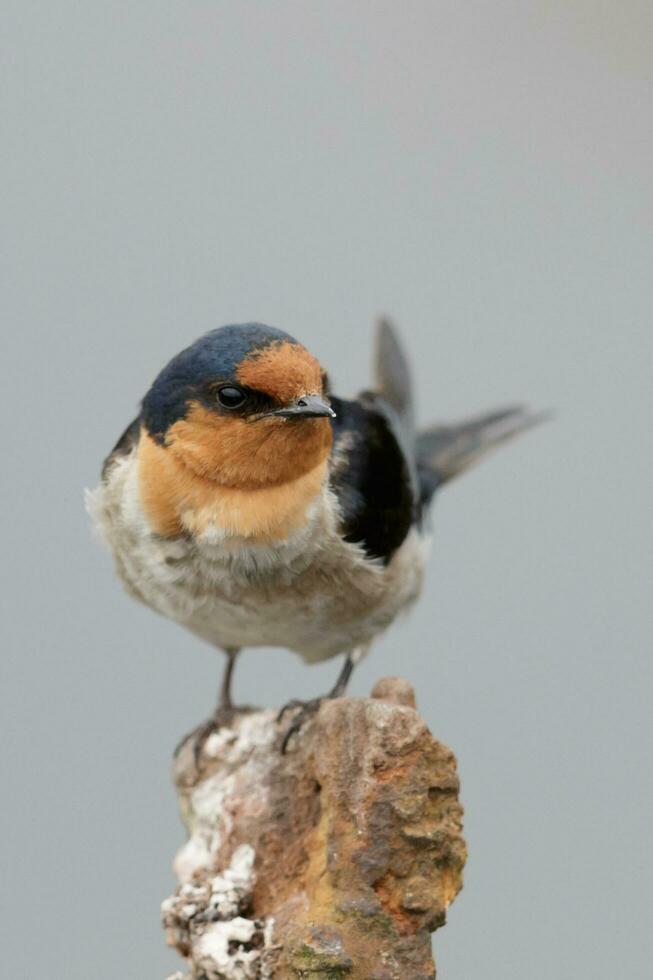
231, 397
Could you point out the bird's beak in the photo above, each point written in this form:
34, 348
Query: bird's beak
306, 407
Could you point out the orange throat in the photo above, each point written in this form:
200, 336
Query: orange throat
246, 480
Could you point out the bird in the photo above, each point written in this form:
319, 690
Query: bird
254, 507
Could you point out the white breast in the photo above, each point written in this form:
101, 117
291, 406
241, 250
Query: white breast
312, 593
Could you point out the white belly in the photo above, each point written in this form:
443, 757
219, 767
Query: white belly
314, 594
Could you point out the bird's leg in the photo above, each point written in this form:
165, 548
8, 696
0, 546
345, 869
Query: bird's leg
309, 708
224, 702
222, 715
336, 691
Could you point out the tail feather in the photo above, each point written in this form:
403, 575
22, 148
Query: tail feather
444, 451
439, 453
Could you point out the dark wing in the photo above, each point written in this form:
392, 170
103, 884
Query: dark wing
371, 476
385, 472
392, 378
125, 444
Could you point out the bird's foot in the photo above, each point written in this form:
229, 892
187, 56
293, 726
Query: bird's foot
222, 717
307, 710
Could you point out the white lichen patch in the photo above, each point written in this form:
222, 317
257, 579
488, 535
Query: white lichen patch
224, 950
211, 825
242, 754
234, 747
193, 856
217, 742
209, 918
236, 881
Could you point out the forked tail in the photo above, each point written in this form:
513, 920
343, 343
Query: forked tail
442, 451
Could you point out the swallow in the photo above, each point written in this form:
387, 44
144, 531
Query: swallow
252, 506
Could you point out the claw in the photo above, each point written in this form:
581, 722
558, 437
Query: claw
288, 706
200, 735
307, 710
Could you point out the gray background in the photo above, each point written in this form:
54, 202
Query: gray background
482, 172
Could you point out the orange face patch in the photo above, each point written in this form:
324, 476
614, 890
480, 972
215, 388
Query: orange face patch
178, 500
247, 454
252, 477
283, 370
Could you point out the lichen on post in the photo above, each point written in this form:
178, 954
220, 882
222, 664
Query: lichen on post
335, 860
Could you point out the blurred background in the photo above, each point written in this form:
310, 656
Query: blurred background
480, 171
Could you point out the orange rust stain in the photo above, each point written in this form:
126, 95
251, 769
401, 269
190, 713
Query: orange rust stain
177, 498
282, 370
452, 883
404, 922
399, 772
296, 878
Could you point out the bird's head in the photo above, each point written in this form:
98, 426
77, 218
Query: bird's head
245, 405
